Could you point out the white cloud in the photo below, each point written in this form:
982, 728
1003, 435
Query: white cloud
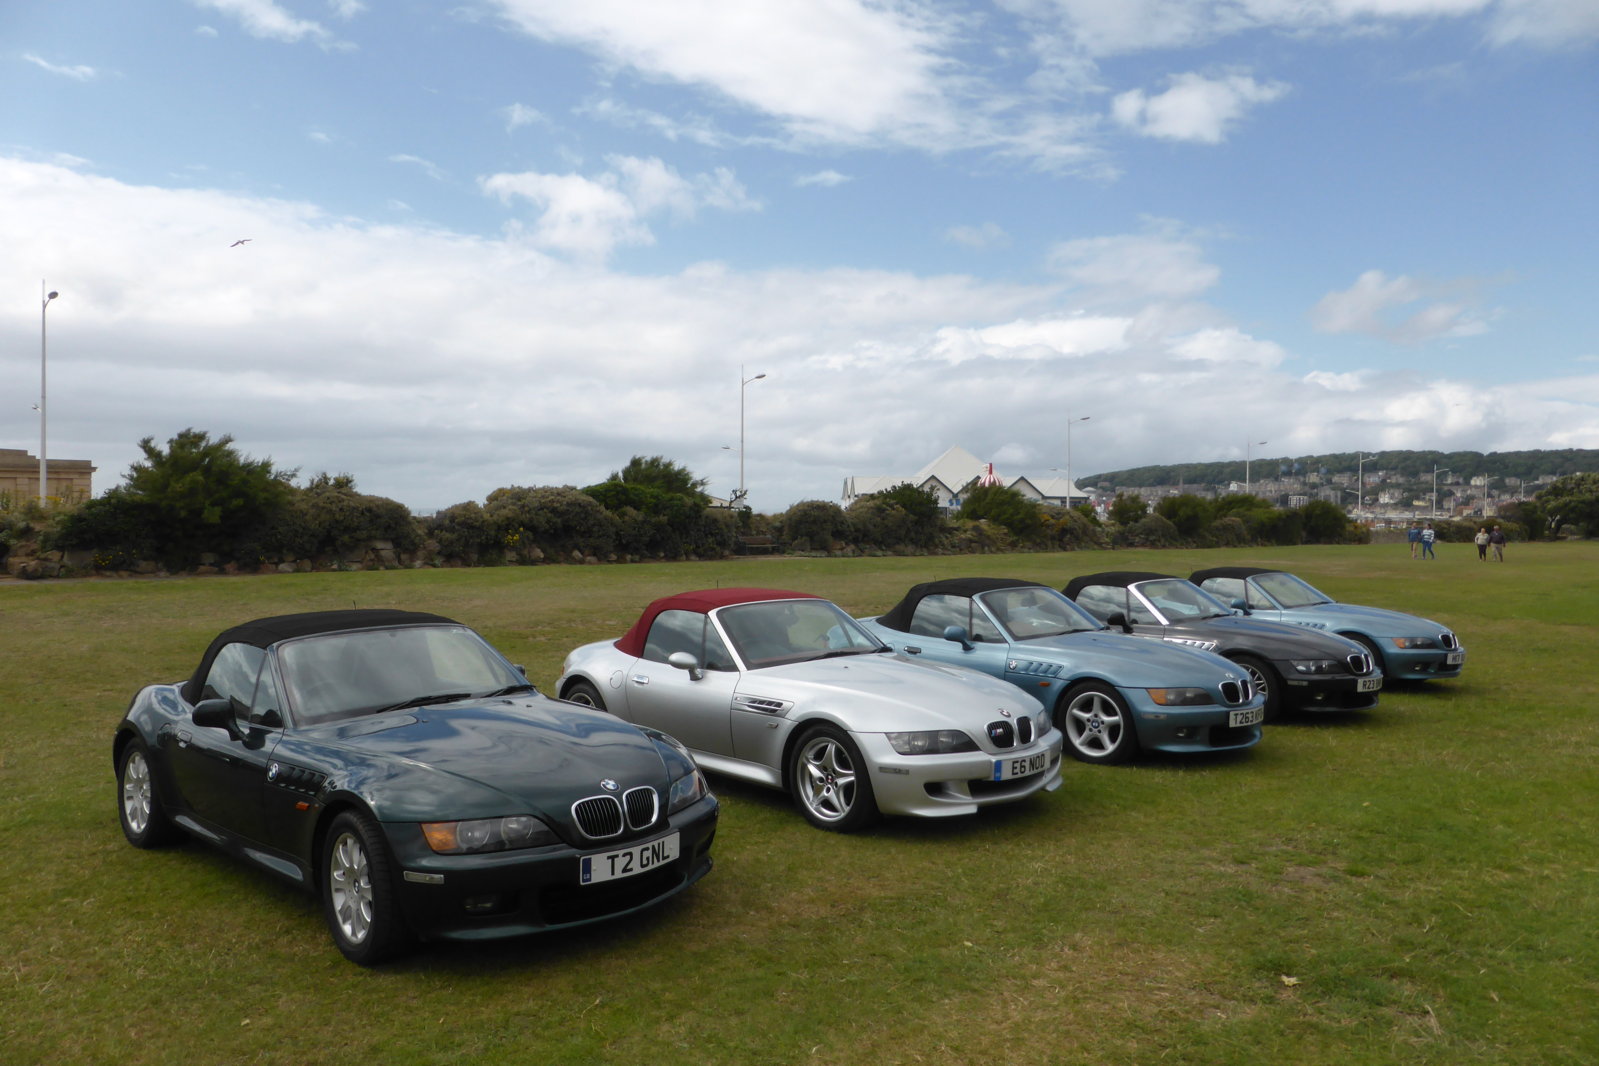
987, 235
1545, 23
436, 367
1140, 267
588, 218
519, 115
1372, 306
426, 166
826, 178
1194, 107
78, 72
269, 21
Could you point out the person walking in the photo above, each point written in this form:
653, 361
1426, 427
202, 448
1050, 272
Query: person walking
1481, 540
1497, 539
1414, 537
1428, 535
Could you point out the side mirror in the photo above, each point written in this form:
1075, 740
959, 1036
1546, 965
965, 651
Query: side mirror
1119, 620
684, 661
1239, 605
217, 714
958, 635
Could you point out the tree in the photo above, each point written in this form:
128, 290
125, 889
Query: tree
1127, 508
814, 525
200, 495
1324, 523
903, 516
1004, 506
659, 472
1572, 501
1189, 513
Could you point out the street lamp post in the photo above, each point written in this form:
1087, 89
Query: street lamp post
1435, 472
44, 362
1070, 488
1247, 449
1360, 479
743, 382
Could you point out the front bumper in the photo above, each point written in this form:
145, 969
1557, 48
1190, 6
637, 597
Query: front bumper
942, 786
532, 890
1185, 730
1422, 664
1334, 692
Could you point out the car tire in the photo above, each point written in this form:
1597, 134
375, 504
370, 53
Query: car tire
830, 781
1097, 724
139, 808
1266, 681
358, 893
586, 695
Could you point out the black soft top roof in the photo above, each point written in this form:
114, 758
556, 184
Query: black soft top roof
1117, 578
264, 632
899, 617
1230, 571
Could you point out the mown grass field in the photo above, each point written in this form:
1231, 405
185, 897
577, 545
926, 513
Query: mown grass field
1414, 884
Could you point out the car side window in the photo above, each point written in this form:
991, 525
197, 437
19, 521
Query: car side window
1139, 613
1228, 589
1102, 601
938, 612
690, 631
266, 706
233, 677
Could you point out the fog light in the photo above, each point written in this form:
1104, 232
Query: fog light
483, 904
1186, 733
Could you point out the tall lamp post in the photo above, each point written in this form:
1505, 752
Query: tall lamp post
1070, 488
1247, 449
1435, 472
1361, 460
44, 362
743, 383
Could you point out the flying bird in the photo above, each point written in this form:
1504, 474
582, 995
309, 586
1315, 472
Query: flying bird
245, 240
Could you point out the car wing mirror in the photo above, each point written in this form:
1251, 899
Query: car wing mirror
958, 635
216, 714
1240, 606
686, 662
1119, 620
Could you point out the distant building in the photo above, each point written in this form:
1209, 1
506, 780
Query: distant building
951, 472
69, 479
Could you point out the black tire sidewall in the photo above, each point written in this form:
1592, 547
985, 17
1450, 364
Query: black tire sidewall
863, 811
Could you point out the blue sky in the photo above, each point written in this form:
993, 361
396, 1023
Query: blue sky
516, 242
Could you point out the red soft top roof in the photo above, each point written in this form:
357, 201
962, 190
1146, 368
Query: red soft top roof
703, 601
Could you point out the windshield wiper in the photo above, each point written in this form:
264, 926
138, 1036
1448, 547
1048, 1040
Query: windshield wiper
836, 652
421, 701
525, 686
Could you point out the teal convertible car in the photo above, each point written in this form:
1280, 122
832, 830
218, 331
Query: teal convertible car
1404, 646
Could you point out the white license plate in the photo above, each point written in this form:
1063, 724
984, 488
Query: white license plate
1025, 766
1368, 684
1254, 717
1456, 658
628, 861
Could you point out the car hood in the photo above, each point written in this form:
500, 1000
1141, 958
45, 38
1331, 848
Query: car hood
496, 757
1376, 620
1129, 661
1276, 640
877, 693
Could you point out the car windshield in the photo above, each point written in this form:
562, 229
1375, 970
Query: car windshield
774, 632
341, 675
1036, 613
1289, 591
1180, 601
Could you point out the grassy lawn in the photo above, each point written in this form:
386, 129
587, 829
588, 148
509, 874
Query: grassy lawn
1414, 884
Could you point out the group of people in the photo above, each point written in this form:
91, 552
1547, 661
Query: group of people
1422, 538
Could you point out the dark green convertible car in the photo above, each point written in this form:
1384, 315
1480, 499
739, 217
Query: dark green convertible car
400, 768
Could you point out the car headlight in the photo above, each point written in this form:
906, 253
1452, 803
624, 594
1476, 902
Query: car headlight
1180, 697
1042, 723
1410, 643
487, 834
931, 742
1320, 666
690, 788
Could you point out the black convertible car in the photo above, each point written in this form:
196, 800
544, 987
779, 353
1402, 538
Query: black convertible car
399, 767
1292, 666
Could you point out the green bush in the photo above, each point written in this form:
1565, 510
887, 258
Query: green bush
815, 525
559, 521
1006, 506
463, 532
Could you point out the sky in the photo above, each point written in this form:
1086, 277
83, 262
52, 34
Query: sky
517, 242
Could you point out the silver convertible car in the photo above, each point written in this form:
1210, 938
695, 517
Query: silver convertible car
1402, 645
786, 690
1111, 693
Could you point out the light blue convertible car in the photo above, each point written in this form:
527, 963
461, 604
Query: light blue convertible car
1109, 693
1404, 646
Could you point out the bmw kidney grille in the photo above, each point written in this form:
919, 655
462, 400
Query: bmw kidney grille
599, 817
